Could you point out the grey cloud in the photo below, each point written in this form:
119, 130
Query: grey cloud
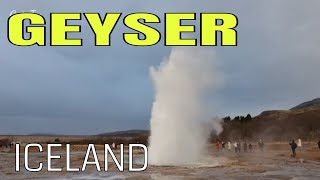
91, 89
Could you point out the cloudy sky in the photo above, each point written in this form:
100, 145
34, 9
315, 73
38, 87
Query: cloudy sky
90, 90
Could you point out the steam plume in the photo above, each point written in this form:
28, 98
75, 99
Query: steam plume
180, 115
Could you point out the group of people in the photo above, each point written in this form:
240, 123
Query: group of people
237, 146
114, 146
294, 146
248, 147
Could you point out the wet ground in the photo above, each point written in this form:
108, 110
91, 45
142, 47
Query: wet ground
274, 163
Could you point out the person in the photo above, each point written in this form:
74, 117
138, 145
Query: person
229, 145
250, 147
261, 145
319, 144
235, 144
223, 144
299, 143
239, 147
293, 148
245, 147
113, 146
218, 146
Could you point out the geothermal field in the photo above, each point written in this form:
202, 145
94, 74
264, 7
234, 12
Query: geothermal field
274, 163
179, 143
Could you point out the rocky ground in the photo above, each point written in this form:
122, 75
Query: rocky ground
274, 163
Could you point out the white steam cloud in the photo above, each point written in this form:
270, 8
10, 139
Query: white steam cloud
180, 114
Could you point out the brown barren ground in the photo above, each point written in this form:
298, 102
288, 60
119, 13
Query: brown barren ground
274, 163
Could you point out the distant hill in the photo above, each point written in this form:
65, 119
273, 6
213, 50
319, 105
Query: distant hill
43, 134
302, 121
310, 104
128, 133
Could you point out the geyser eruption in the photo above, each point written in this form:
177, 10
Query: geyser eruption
180, 114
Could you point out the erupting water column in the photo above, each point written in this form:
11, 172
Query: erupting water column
180, 115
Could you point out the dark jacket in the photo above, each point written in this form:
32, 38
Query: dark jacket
293, 145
